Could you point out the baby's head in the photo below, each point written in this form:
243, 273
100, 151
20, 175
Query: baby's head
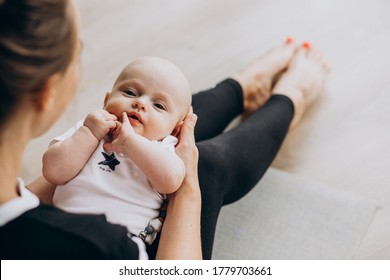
154, 93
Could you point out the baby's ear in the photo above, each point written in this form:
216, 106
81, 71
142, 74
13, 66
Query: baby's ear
176, 130
106, 98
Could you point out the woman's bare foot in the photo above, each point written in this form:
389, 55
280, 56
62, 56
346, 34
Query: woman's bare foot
257, 78
304, 79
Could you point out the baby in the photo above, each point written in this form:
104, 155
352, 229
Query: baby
120, 161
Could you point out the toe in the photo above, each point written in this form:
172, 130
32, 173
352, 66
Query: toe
289, 40
301, 53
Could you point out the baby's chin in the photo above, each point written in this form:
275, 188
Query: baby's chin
139, 131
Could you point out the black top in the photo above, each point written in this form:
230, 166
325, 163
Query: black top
46, 232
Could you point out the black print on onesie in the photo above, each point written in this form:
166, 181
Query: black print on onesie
109, 161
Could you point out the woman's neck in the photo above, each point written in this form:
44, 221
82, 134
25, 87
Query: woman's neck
13, 140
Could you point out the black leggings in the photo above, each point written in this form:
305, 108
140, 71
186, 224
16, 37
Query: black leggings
231, 163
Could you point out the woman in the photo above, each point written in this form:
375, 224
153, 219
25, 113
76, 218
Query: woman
39, 51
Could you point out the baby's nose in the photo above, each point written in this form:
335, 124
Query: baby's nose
139, 104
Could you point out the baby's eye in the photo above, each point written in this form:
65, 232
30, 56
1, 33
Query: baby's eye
130, 92
159, 106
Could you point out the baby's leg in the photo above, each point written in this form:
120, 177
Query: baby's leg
232, 163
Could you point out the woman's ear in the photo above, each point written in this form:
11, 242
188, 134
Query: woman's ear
176, 130
46, 98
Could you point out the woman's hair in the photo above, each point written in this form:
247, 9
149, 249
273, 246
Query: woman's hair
37, 40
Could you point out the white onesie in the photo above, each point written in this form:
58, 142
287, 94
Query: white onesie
113, 185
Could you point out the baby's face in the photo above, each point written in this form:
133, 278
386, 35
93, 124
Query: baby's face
155, 95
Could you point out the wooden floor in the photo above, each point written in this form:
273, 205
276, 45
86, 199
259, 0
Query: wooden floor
343, 141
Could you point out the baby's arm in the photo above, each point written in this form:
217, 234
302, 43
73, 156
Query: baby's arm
164, 169
64, 160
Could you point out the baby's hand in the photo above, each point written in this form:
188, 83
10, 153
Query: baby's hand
100, 122
122, 131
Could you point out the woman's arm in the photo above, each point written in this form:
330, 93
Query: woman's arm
180, 235
43, 189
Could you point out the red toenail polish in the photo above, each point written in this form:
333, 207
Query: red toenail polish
289, 40
306, 45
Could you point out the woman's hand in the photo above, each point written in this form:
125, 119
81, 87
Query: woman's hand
180, 235
188, 152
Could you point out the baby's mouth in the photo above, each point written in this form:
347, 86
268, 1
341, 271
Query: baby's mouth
134, 117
